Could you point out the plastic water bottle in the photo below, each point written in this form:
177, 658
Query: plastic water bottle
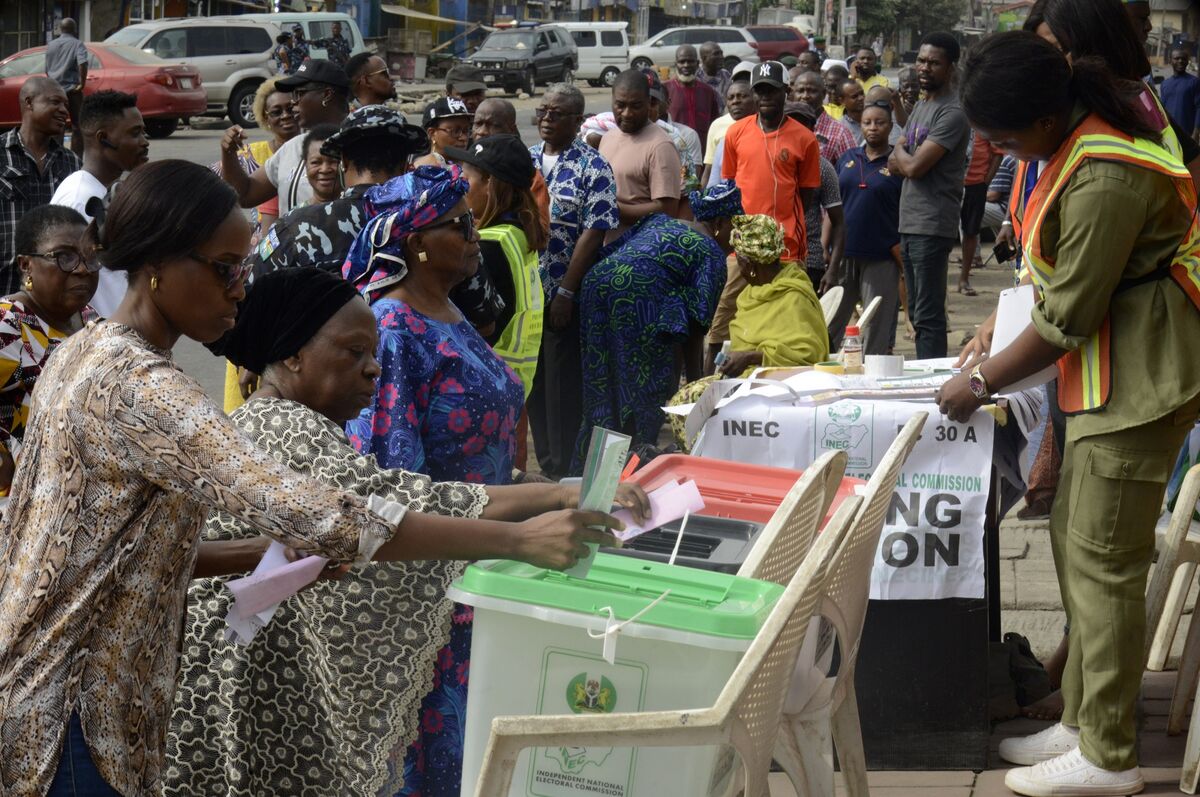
852, 351
723, 355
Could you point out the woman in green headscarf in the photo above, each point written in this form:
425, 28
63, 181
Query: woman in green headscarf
779, 320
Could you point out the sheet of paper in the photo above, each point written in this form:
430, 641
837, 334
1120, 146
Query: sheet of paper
601, 474
1012, 318
258, 595
669, 502
260, 591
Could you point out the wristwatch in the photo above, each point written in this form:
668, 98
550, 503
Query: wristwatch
978, 385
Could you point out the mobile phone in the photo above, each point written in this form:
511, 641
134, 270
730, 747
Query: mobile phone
1004, 252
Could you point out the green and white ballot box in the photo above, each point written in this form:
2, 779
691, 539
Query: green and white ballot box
540, 646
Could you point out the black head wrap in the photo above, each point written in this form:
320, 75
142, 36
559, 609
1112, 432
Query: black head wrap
282, 311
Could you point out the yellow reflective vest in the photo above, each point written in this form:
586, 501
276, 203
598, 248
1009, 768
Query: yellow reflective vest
520, 340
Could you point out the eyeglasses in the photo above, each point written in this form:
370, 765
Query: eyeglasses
377, 72
297, 93
279, 113
464, 221
457, 131
231, 273
884, 104
67, 259
551, 115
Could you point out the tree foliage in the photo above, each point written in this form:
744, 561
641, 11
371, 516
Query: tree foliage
921, 16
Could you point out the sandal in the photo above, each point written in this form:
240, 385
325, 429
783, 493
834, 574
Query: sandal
966, 290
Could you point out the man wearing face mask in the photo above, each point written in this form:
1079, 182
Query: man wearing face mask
693, 102
114, 142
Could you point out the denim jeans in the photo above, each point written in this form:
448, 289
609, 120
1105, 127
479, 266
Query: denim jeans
926, 261
77, 775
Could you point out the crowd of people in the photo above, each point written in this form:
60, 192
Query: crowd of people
403, 303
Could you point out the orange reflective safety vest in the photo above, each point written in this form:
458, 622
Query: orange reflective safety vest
1085, 375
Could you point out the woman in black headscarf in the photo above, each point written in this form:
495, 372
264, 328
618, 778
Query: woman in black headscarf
265, 718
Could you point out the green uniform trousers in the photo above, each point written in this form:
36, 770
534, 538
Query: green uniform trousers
1102, 534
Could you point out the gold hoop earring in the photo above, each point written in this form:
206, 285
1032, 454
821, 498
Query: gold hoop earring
28, 285
153, 283
422, 257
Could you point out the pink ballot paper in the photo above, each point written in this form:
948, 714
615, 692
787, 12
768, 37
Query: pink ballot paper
257, 595
669, 502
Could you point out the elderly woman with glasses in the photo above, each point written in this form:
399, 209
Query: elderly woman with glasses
58, 279
446, 405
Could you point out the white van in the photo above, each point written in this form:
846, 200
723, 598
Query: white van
603, 50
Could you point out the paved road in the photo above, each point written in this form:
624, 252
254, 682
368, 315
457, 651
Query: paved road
201, 146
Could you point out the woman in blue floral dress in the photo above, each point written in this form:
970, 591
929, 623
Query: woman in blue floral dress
445, 405
653, 289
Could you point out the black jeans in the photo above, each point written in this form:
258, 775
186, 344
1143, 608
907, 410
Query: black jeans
556, 401
926, 261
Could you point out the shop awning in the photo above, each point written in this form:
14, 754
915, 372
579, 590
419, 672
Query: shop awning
408, 12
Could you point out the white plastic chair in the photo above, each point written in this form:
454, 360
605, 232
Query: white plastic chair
1164, 599
1162, 622
745, 714
803, 747
784, 542
830, 301
864, 318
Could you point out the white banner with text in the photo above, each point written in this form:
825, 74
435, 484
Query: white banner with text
932, 542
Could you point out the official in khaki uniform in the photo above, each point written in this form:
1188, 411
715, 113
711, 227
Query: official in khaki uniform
1111, 240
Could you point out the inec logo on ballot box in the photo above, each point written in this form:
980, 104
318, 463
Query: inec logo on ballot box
591, 694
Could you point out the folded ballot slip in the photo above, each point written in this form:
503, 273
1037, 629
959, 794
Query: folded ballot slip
256, 596
668, 503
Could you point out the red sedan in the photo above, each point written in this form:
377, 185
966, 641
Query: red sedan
166, 93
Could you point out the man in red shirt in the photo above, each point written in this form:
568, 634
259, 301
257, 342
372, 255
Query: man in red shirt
774, 160
985, 160
693, 102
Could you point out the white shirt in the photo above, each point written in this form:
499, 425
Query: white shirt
548, 162
285, 170
74, 192
692, 140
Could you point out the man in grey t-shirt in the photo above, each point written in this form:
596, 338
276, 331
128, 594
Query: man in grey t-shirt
67, 63
932, 159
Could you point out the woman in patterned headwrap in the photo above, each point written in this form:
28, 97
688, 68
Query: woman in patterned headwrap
779, 320
276, 716
446, 404
652, 293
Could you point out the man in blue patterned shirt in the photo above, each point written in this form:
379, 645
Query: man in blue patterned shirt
583, 207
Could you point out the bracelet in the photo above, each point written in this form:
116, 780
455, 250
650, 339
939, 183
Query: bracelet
1006, 223
566, 293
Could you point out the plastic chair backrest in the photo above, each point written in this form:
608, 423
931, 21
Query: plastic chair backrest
755, 691
848, 587
868, 313
784, 542
1168, 558
830, 301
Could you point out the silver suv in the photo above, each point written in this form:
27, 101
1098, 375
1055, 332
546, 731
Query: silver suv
233, 57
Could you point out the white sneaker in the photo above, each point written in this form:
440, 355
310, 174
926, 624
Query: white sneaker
1042, 746
1072, 775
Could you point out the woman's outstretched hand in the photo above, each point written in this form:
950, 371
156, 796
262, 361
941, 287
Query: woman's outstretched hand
556, 540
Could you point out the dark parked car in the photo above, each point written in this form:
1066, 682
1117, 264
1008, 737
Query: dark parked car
166, 93
518, 59
776, 41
